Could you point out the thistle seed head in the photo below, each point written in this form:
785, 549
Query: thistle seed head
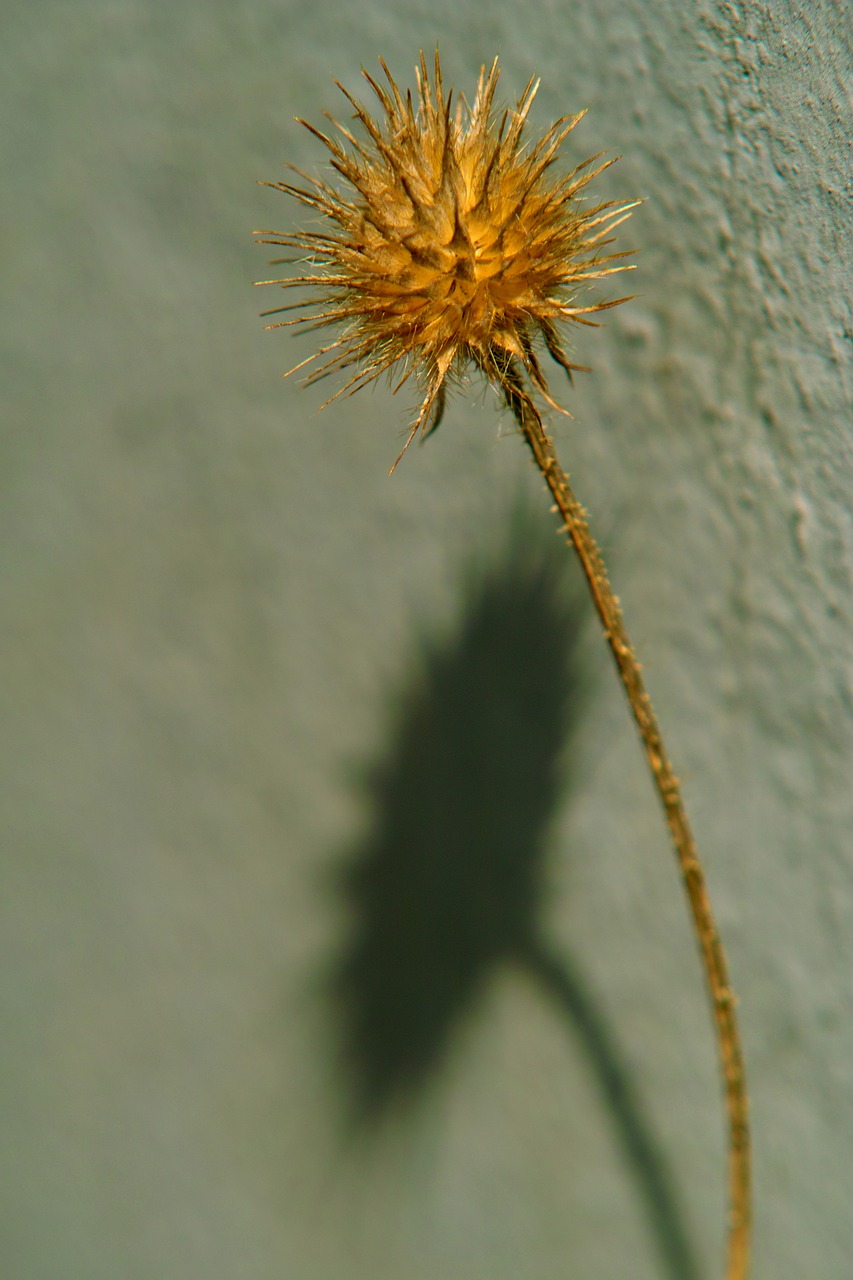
454, 243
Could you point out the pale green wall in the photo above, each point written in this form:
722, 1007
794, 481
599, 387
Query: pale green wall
216, 604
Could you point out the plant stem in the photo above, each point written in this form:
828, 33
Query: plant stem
669, 791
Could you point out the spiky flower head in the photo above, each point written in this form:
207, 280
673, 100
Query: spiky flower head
456, 243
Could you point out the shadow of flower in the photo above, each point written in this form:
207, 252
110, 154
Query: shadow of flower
448, 882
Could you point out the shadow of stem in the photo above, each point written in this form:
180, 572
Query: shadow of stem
563, 983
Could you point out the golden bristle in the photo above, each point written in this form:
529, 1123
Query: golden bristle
456, 243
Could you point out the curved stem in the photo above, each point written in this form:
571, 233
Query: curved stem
669, 791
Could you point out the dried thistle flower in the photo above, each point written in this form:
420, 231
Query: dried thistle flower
456, 246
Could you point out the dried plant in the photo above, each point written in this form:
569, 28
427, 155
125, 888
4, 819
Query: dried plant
456, 244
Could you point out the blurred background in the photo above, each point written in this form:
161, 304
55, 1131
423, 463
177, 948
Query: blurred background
340, 931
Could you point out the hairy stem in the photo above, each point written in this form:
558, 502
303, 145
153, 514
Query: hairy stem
669, 791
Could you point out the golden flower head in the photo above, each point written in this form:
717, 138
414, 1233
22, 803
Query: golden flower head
455, 244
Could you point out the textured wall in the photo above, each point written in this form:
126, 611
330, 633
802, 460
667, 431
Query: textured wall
297, 756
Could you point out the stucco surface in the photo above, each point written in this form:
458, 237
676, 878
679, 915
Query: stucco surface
269, 717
